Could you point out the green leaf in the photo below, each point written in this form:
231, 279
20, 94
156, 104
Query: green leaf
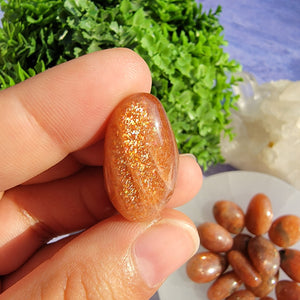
139, 19
183, 46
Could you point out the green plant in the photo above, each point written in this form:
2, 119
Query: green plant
183, 46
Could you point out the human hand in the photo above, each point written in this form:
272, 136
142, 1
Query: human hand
51, 152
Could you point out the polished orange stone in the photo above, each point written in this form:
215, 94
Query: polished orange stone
290, 263
259, 214
206, 266
224, 286
287, 290
285, 231
141, 158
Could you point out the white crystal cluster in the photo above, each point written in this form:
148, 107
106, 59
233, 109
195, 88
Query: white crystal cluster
267, 128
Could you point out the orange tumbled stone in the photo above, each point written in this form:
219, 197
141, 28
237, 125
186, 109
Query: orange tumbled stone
141, 158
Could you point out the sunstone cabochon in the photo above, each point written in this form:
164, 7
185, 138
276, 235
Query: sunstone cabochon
141, 158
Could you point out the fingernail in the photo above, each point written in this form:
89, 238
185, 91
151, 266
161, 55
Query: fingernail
163, 248
189, 155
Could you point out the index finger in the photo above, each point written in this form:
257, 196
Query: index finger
46, 117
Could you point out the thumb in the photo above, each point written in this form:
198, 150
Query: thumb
115, 259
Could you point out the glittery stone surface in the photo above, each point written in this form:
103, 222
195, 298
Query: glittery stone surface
141, 158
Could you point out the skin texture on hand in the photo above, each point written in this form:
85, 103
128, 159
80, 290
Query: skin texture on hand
51, 181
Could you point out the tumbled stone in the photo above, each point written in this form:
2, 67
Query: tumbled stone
287, 290
141, 158
285, 231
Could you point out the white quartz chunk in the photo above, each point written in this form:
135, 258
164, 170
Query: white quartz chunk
267, 128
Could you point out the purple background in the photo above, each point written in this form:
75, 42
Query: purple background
264, 36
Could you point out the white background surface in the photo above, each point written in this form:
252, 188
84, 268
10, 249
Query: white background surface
240, 187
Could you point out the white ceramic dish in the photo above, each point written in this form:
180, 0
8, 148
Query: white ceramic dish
240, 187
